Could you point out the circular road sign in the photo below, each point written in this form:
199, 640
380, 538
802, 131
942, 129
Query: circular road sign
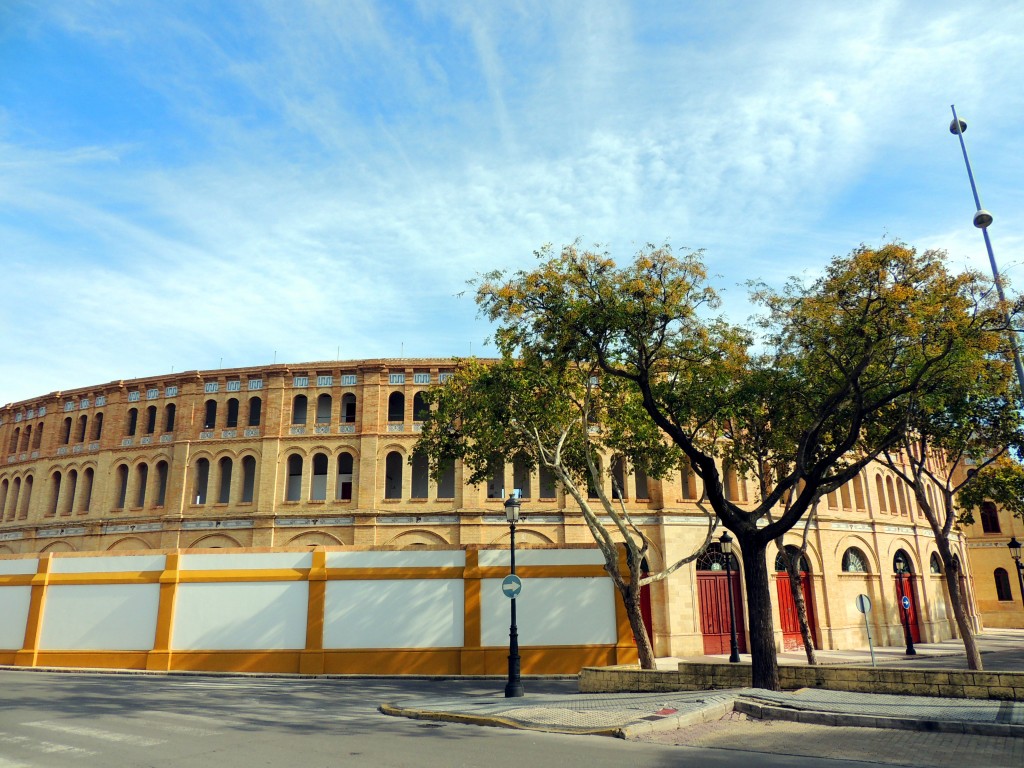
511, 586
863, 603
905, 601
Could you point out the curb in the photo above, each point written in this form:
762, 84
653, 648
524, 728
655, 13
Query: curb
813, 717
492, 720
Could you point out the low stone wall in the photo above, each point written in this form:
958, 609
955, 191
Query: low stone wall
949, 683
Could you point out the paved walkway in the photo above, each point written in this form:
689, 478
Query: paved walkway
632, 715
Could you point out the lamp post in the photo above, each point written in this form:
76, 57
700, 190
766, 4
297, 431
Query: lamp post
901, 573
514, 687
982, 220
726, 543
1014, 546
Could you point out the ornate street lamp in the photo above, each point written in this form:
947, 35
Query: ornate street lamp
1014, 546
726, 543
901, 574
514, 687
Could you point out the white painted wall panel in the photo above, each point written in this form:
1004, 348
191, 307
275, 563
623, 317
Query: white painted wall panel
18, 567
550, 612
240, 561
386, 613
100, 617
496, 557
14, 603
400, 559
426, 613
125, 564
240, 616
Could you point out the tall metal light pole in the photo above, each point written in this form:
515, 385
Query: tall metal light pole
726, 543
1015, 548
514, 686
982, 220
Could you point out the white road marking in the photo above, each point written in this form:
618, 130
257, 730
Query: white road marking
96, 733
47, 747
193, 725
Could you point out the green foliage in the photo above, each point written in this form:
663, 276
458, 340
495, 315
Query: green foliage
1002, 482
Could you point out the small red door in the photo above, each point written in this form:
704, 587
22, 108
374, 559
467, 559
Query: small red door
792, 639
713, 599
905, 588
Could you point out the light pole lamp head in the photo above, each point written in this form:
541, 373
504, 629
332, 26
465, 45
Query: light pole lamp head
1014, 546
725, 540
512, 506
982, 219
953, 126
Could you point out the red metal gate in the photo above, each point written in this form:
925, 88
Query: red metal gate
713, 599
792, 639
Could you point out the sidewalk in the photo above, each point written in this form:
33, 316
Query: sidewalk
632, 715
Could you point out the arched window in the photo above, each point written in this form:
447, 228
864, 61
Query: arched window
903, 499
712, 559
225, 466
86, 502
858, 492
348, 408
122, 486
854, 561
731, 484
15, 493
446, 482
202, 481
780, 561
833, 503
935, 563
880, 492
546, 481
591, 486
26, 497
396, 407
133, 421
4, 487
496, 482
618, 477
989, 517
521, 476
210, 416
299, 407
255, 411
343, 487
141, 478
55, 480
318, 488
82, 431
420, 411
26, 438
324, 403
37, 440
393, 476
844, 495
170, 411
420, 476
65, 432
293, 490
68, 504
232, 420
15, 436
97, 426
642, 490
151, 420
890, 492
248, 479
1003, 592
901, 562
161, 483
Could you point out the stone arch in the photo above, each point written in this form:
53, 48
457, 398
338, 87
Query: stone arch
129, 543
5, 550
214, 541
895, 545
813, 557
418, 538
525, 536
58, 546
315, 539
859, 542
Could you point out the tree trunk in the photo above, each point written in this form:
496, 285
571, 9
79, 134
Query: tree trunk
764, 667
795, 588
959, 600
631, 601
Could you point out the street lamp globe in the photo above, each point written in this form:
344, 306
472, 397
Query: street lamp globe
512, 507
1015, 547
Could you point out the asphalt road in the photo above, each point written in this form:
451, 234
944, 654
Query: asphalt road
52, 720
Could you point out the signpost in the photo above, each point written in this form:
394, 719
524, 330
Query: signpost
863, 603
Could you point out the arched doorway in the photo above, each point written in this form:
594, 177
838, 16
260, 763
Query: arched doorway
906, 594
713, 599
792, 638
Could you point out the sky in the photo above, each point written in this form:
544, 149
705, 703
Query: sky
195, 185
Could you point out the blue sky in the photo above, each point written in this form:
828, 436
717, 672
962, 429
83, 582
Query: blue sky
194, 184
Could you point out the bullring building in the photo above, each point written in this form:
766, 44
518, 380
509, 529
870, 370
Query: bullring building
318, 457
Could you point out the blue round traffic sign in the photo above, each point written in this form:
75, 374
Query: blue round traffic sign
906, 603
511, 585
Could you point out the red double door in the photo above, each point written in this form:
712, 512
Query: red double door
792, 639
713, 599
908, 615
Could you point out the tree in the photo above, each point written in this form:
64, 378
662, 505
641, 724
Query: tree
556, 417
1000, 480
801, 401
